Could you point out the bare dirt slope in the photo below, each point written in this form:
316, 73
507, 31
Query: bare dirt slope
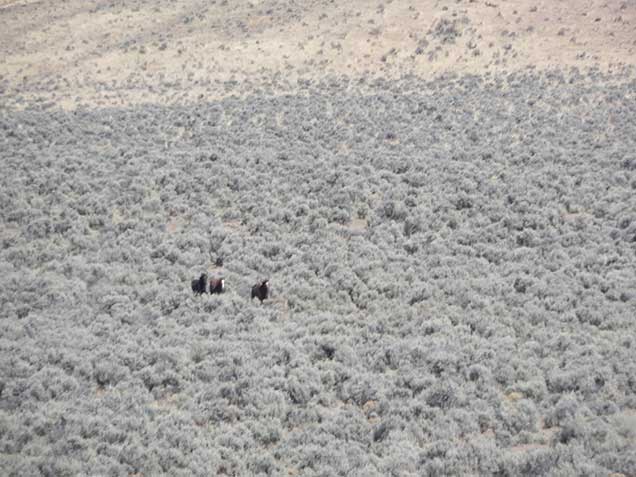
114, 53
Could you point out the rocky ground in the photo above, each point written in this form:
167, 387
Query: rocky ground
443, 195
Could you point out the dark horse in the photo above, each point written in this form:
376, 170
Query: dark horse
198, 286
217, 285
261, 290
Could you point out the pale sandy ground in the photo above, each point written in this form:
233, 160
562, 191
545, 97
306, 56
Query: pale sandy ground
117, 53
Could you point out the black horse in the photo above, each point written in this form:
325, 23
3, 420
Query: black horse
261, 290
217, 285
198, 285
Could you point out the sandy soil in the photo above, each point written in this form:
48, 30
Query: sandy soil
116, 53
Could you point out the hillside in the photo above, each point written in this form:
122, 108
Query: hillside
442, 195
123, 53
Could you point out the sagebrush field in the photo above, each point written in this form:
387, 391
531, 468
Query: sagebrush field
442, 194
452, 266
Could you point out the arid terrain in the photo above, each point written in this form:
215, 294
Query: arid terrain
122, 53
442, 194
